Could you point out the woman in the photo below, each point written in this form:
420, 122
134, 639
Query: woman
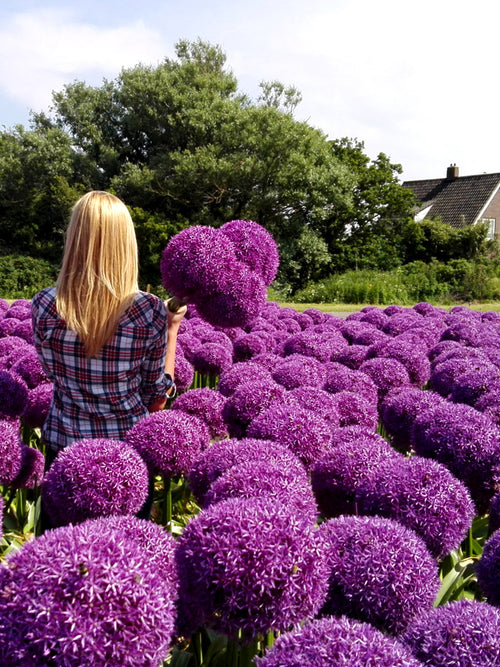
101, 341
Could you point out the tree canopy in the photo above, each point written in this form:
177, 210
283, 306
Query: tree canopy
181, 145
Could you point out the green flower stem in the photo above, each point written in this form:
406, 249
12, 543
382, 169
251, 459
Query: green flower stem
167, 504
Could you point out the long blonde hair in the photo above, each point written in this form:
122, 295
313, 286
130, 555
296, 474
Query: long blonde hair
98, 277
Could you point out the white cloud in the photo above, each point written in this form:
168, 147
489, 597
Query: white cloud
44, 49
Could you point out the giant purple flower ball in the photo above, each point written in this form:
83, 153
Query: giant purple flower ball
32, 469
319, 401
297, 370
240, 373
93, 478
337, 642
10, 451
169, 441
222, 455
336, 477
254, 246
206, 404
355, 410
464, 440
249, 400
212, 359
306, 434
380, 571
488, 569
37, 405
183, 374
249, 565
257, 479
423, 495
465, 633
194, 261
340, 378
29, 367
81, 595
386, 373
13, 395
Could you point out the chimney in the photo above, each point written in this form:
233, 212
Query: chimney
452, 172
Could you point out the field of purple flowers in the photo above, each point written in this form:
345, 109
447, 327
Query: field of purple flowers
326, 493
327, 490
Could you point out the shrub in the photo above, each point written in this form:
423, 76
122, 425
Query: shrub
22, 276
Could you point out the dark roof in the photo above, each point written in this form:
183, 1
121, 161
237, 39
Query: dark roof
457, 201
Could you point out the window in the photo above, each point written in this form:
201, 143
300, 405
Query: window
491, 226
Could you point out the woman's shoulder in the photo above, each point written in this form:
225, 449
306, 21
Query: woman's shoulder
148, 306
44, 299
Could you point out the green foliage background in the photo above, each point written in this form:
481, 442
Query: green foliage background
182, 145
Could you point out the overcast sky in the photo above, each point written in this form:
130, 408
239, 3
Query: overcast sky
415, 80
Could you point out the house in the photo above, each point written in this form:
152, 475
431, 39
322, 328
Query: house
459, 200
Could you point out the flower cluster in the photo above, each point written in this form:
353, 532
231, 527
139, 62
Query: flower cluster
250, 566
84, 594
93, 478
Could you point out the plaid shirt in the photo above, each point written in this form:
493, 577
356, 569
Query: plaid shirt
101, 397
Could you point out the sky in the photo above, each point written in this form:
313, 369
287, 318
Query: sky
414, 80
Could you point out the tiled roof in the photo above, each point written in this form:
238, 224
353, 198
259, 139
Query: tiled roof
457, 201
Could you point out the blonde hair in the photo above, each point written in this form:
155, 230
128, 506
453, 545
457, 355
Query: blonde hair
98, 277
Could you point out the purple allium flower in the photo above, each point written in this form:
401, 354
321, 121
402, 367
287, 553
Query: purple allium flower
251, 344
238, 299
93, 478
188, 344
305, 321
29, 368
217, 336
393, 309
423, 495
32, 469
352, 356
305, 433
489, 403
471, 385
354, 317
337, 642
4, 306
299, 371
386, 373
24, 330
375, 316
157, 544
468, 333
412, 357
465, 633
184, 373
194, 261
319, 401
249, 400
369, 336
206, 404
8, 325
355, 410
399, 409
10, 451
488, 568
444, 375
336, 477
212, 359
257, 479
319, 346
315, 314
490, 316
262, 324
424, 308
380, 571
19, 311
400, 322
169, 441
340, 378
268, 360
240, 373
81, 595
38, 404
13, 395
440, 348
224, 454
290, 325
254, 246
13, 344
249, 565
466, 441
